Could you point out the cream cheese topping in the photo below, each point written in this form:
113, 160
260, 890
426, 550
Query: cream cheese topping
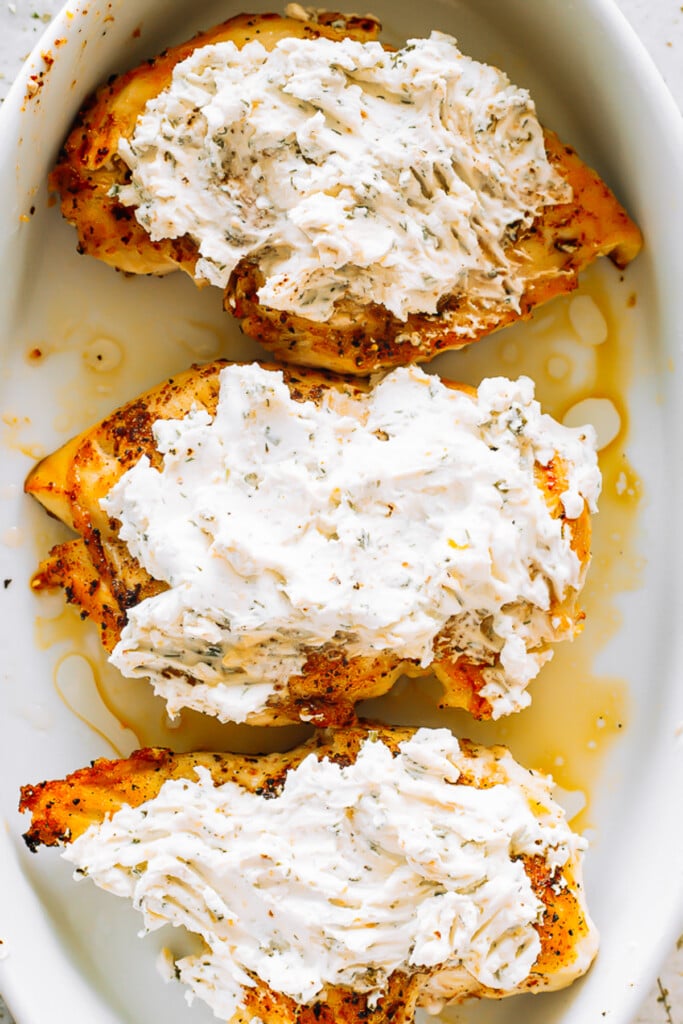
405, 519
344, 170
348, 874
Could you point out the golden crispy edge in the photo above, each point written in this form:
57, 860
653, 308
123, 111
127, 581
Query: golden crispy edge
563, 240
99, 575
63, 809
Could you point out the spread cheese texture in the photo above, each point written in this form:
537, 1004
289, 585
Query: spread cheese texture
398, 519
344, 170
348, 874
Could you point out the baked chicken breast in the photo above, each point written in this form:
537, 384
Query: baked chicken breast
538, 256
468, 883
343, 559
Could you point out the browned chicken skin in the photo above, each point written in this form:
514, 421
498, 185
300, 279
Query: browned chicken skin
62, 810
101, 577
358, 339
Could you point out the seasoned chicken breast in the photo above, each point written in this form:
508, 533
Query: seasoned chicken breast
468, 883
323, 656
358, 335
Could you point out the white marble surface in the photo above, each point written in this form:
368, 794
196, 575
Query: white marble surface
659, 23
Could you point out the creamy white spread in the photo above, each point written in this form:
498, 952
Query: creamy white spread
344, 170
347, 875
405, 520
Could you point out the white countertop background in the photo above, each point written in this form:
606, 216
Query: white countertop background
659, 23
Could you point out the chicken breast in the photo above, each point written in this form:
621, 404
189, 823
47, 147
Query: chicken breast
257, 856
357, 336
510, 557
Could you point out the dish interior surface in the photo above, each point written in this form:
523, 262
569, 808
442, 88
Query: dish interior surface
80, 340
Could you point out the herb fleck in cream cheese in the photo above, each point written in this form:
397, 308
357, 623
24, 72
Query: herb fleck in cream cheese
405, 519
344, 169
